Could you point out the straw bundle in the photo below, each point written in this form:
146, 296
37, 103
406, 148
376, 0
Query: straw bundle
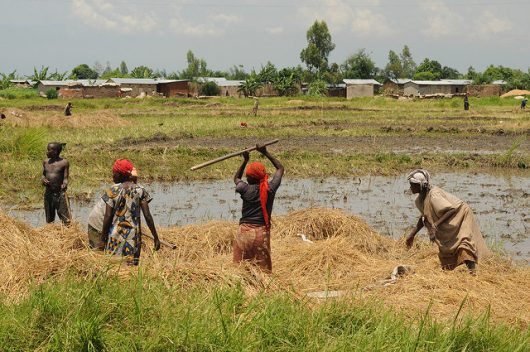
318, 224
346, 255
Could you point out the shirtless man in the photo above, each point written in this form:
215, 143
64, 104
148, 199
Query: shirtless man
55, 178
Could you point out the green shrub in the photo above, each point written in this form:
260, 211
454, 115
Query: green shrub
210, 89
317, 88
52, 93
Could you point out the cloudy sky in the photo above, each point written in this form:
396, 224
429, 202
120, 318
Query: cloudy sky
157, 33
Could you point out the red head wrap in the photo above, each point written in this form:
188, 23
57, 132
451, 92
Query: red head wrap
257, 171
123, 167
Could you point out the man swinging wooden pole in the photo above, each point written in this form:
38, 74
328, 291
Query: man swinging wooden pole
231, 155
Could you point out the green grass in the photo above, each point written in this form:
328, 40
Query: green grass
19, 93
142, 314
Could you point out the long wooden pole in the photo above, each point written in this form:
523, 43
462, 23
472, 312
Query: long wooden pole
231, 155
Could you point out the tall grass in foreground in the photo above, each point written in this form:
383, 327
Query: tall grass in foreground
148, 315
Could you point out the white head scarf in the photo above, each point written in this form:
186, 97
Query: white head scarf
421, 177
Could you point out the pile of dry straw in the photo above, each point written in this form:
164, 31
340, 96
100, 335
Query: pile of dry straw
345, 254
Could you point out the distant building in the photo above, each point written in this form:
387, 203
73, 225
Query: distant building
395, 85
90, 89
135, 86
361, 87
337, 90
22, 83
448, 86
173, 88
45, 85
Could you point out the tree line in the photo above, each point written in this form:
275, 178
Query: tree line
318, 71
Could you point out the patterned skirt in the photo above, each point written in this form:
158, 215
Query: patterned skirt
253, 243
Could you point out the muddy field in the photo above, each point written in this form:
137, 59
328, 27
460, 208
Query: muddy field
481, 144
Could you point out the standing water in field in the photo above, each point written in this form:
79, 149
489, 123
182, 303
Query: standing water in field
501, 204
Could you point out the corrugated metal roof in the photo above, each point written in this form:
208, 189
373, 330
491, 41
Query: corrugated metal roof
400, 80
360, 81
132, 80
227, 83
458, 81
499, 82
56, 83
171, 80
211, 79
447, 82
90, 82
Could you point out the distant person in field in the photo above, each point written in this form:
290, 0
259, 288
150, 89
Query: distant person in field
523, 103
96, 216
255, 107
68, 109
466, 102
450, 223
124, 203
252, 241
2, 116
55, 171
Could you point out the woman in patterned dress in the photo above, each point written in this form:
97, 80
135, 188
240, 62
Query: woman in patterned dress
121, 232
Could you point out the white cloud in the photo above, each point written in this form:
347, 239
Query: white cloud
102, 14
275, 30
341, 15
368, 23
487, 23
181, 26
121, 17
440, 20
224, 18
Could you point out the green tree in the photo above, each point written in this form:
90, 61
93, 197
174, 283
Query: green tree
425, 76
407, 63
333, 75
450, 73
5, 79
116, 73
196, 67
471, 73
41, 75
58, 76
210, 89
315, 55
123, 69
285, 82
359, 65
394, 68
429, 66
268, 73
250, 85
318, 88
237, 72
83, 72
142, 72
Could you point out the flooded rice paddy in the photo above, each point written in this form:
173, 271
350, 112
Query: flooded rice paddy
501, 203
